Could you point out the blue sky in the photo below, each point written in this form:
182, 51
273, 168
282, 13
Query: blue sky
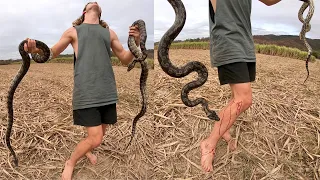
46, 20
280, 19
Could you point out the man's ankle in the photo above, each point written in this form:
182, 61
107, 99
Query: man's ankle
70, 162
209, 142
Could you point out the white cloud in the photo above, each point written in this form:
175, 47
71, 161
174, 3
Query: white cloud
46, 20
281, 18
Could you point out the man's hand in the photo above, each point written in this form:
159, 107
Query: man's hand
134, 31
30, 46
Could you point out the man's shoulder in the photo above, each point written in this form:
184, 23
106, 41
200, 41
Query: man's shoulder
70, 32
112, 33
71, 29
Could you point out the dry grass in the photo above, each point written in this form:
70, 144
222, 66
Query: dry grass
267, 49
278, 137
44, 136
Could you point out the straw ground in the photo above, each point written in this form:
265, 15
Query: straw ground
278, 137
43, 133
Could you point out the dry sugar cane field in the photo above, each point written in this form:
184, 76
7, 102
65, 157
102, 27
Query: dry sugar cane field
278, 137
43, 134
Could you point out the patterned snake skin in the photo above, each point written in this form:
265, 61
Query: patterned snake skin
17, 79
173, 71
140, 57
306, 28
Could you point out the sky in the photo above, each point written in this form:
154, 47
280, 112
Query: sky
46, 20
279, 19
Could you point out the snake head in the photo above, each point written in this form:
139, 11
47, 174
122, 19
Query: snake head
131, 65
213, 116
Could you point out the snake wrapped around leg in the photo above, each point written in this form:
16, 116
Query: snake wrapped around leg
15, 82
306, 28
140, 56
179, 72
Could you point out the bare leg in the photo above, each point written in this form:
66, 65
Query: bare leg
93, 158
242, 101
93, 140
227, 136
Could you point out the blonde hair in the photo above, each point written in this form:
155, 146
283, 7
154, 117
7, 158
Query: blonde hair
80, 20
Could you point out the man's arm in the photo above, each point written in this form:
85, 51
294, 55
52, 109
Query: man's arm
270, 2
125, 56
61, 45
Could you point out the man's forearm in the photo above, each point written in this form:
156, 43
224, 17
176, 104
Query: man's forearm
126, 57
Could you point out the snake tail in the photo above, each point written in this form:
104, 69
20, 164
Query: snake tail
307, 68
143, 81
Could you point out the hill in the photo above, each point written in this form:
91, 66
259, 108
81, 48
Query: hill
287, 40
279, 40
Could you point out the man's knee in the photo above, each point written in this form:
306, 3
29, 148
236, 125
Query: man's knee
247, 101
95, 139
243, 95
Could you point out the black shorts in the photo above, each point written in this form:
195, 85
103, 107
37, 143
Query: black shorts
95, 116
239, 72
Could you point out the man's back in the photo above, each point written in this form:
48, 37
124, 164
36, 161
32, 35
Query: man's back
230, 32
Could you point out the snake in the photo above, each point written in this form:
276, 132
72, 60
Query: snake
306, 28
140, 54
15, 82
191, 66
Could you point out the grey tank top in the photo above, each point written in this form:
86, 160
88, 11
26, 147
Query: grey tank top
230, 32
94, 81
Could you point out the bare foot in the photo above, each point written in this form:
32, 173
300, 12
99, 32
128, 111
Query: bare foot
207, 155
68, 170
232, 145
92, 158
231, 142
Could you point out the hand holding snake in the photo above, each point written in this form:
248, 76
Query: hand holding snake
17, 79
140, 57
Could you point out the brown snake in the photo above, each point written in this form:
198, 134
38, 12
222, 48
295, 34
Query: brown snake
179, 72
15, 82
306, 28
140, 57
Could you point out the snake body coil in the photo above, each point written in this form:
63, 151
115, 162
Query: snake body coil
15, 82
179, 72
140, 57
306, 28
